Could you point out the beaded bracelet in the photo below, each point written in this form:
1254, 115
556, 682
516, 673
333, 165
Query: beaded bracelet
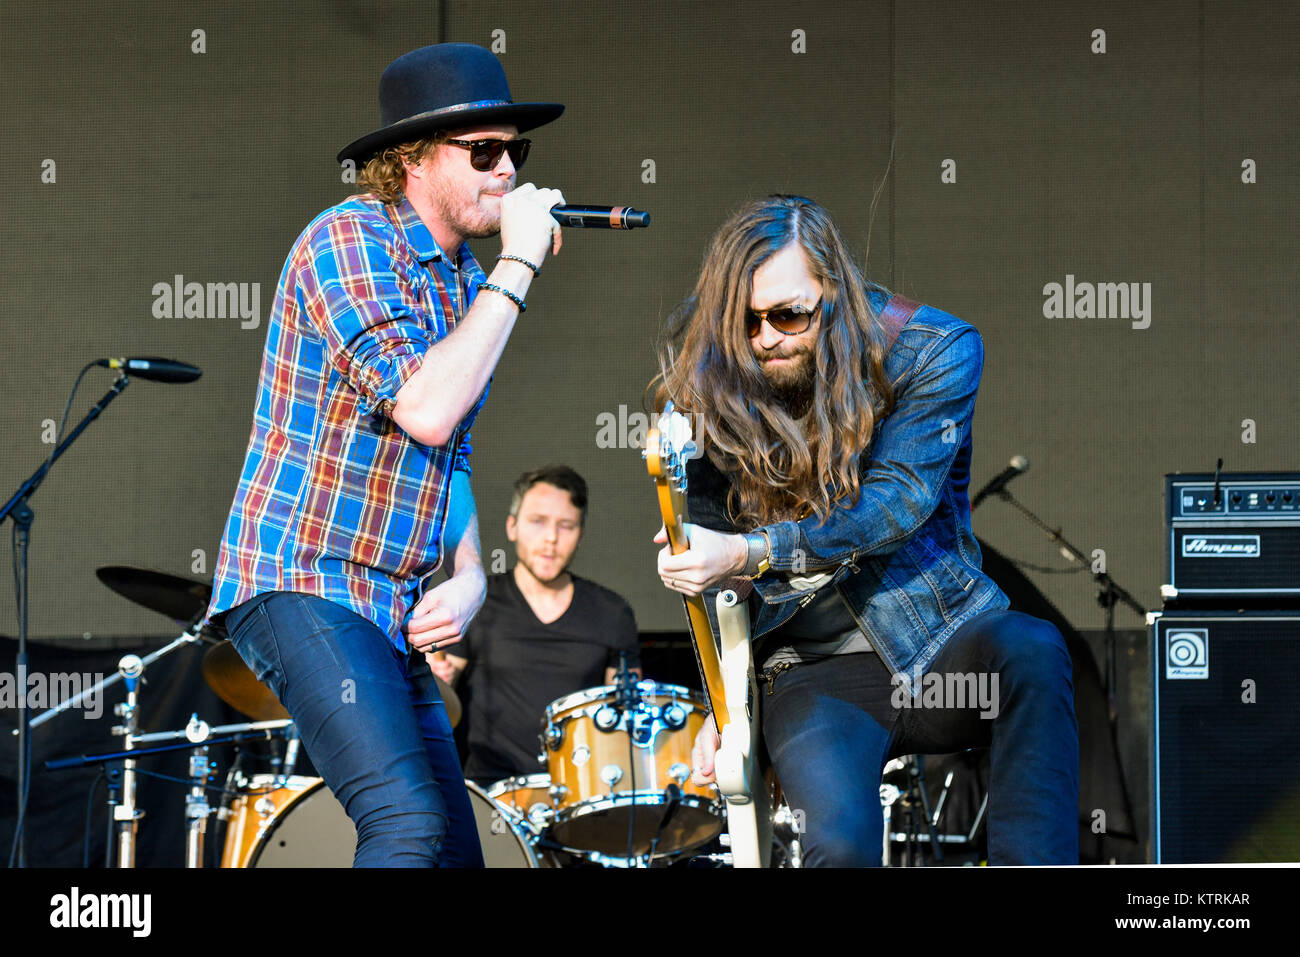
537, 270
507, 293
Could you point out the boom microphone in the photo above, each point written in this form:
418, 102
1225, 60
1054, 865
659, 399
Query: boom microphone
1017, 465
155, 369
600, 217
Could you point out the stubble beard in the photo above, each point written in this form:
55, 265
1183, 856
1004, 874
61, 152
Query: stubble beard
468, 218
532, 570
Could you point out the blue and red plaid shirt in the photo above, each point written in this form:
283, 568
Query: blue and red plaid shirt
335, 500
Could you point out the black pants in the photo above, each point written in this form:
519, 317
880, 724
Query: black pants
831, 725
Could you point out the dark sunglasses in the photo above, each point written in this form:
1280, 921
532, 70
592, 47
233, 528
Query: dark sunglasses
788, 320
485, 154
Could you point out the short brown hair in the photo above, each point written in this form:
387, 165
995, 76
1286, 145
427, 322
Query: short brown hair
562, 477
385, 173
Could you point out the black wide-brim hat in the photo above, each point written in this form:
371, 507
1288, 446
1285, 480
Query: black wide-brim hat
440, 87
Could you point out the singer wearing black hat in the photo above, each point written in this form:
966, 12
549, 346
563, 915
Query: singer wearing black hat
380, 346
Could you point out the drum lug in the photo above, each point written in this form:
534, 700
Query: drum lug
611, 774
679, 772
674, 716
605, 718
554, 736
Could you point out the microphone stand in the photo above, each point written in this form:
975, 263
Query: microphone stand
19, 509
1109, 593
626, 702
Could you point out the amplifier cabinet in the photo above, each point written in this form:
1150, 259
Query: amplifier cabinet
1225, 736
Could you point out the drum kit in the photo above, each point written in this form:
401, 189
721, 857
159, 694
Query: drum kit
616, 790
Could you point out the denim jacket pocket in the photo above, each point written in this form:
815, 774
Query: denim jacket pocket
950, 587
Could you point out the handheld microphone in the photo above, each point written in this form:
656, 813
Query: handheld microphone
154, 368
1016, 466
600, 217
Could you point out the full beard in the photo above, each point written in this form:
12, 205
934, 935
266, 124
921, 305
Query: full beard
792, 386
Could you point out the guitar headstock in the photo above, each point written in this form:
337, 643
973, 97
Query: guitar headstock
669, 445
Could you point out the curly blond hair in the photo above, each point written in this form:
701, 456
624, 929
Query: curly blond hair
385, 173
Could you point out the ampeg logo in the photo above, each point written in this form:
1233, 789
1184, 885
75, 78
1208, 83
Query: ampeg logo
1187, 653
1220, 546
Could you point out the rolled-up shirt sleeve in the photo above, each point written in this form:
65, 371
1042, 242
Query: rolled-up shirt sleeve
365, 310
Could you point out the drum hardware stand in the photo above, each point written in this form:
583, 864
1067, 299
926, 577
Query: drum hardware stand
233, 775
197, 808
130, 670
626, 704
936, 841
192, 635
916, 802
125, 814
19, 509
783, 818
889, 794
290, 753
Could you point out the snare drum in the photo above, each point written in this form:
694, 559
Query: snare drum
299, 823
611, 770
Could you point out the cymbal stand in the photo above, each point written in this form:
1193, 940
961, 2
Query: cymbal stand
126, 815
197, 808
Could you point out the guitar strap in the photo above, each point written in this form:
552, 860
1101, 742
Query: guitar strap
894, 316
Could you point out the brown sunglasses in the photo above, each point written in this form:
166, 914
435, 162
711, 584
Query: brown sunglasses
788, 320
485, 154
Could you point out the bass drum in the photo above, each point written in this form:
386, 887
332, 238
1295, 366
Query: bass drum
301, 824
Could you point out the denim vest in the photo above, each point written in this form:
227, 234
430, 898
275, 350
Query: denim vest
904, 557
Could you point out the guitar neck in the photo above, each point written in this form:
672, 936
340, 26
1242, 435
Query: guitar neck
706, 651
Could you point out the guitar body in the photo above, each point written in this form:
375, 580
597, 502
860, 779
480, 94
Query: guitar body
749, 815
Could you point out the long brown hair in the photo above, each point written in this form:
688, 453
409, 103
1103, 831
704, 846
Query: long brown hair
780, 468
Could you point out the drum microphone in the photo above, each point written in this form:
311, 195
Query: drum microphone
672, 801
1016, 466
154, 368
600, 217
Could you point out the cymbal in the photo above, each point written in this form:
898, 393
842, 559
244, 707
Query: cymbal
236, 685
180, 599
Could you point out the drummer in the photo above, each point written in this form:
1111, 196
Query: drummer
542, 633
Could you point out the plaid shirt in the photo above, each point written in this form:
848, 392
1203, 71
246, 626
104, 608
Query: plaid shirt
335, 500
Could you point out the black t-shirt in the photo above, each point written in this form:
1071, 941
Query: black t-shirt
518, 666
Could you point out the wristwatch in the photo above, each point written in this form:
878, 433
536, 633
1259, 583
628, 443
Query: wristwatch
759, 557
